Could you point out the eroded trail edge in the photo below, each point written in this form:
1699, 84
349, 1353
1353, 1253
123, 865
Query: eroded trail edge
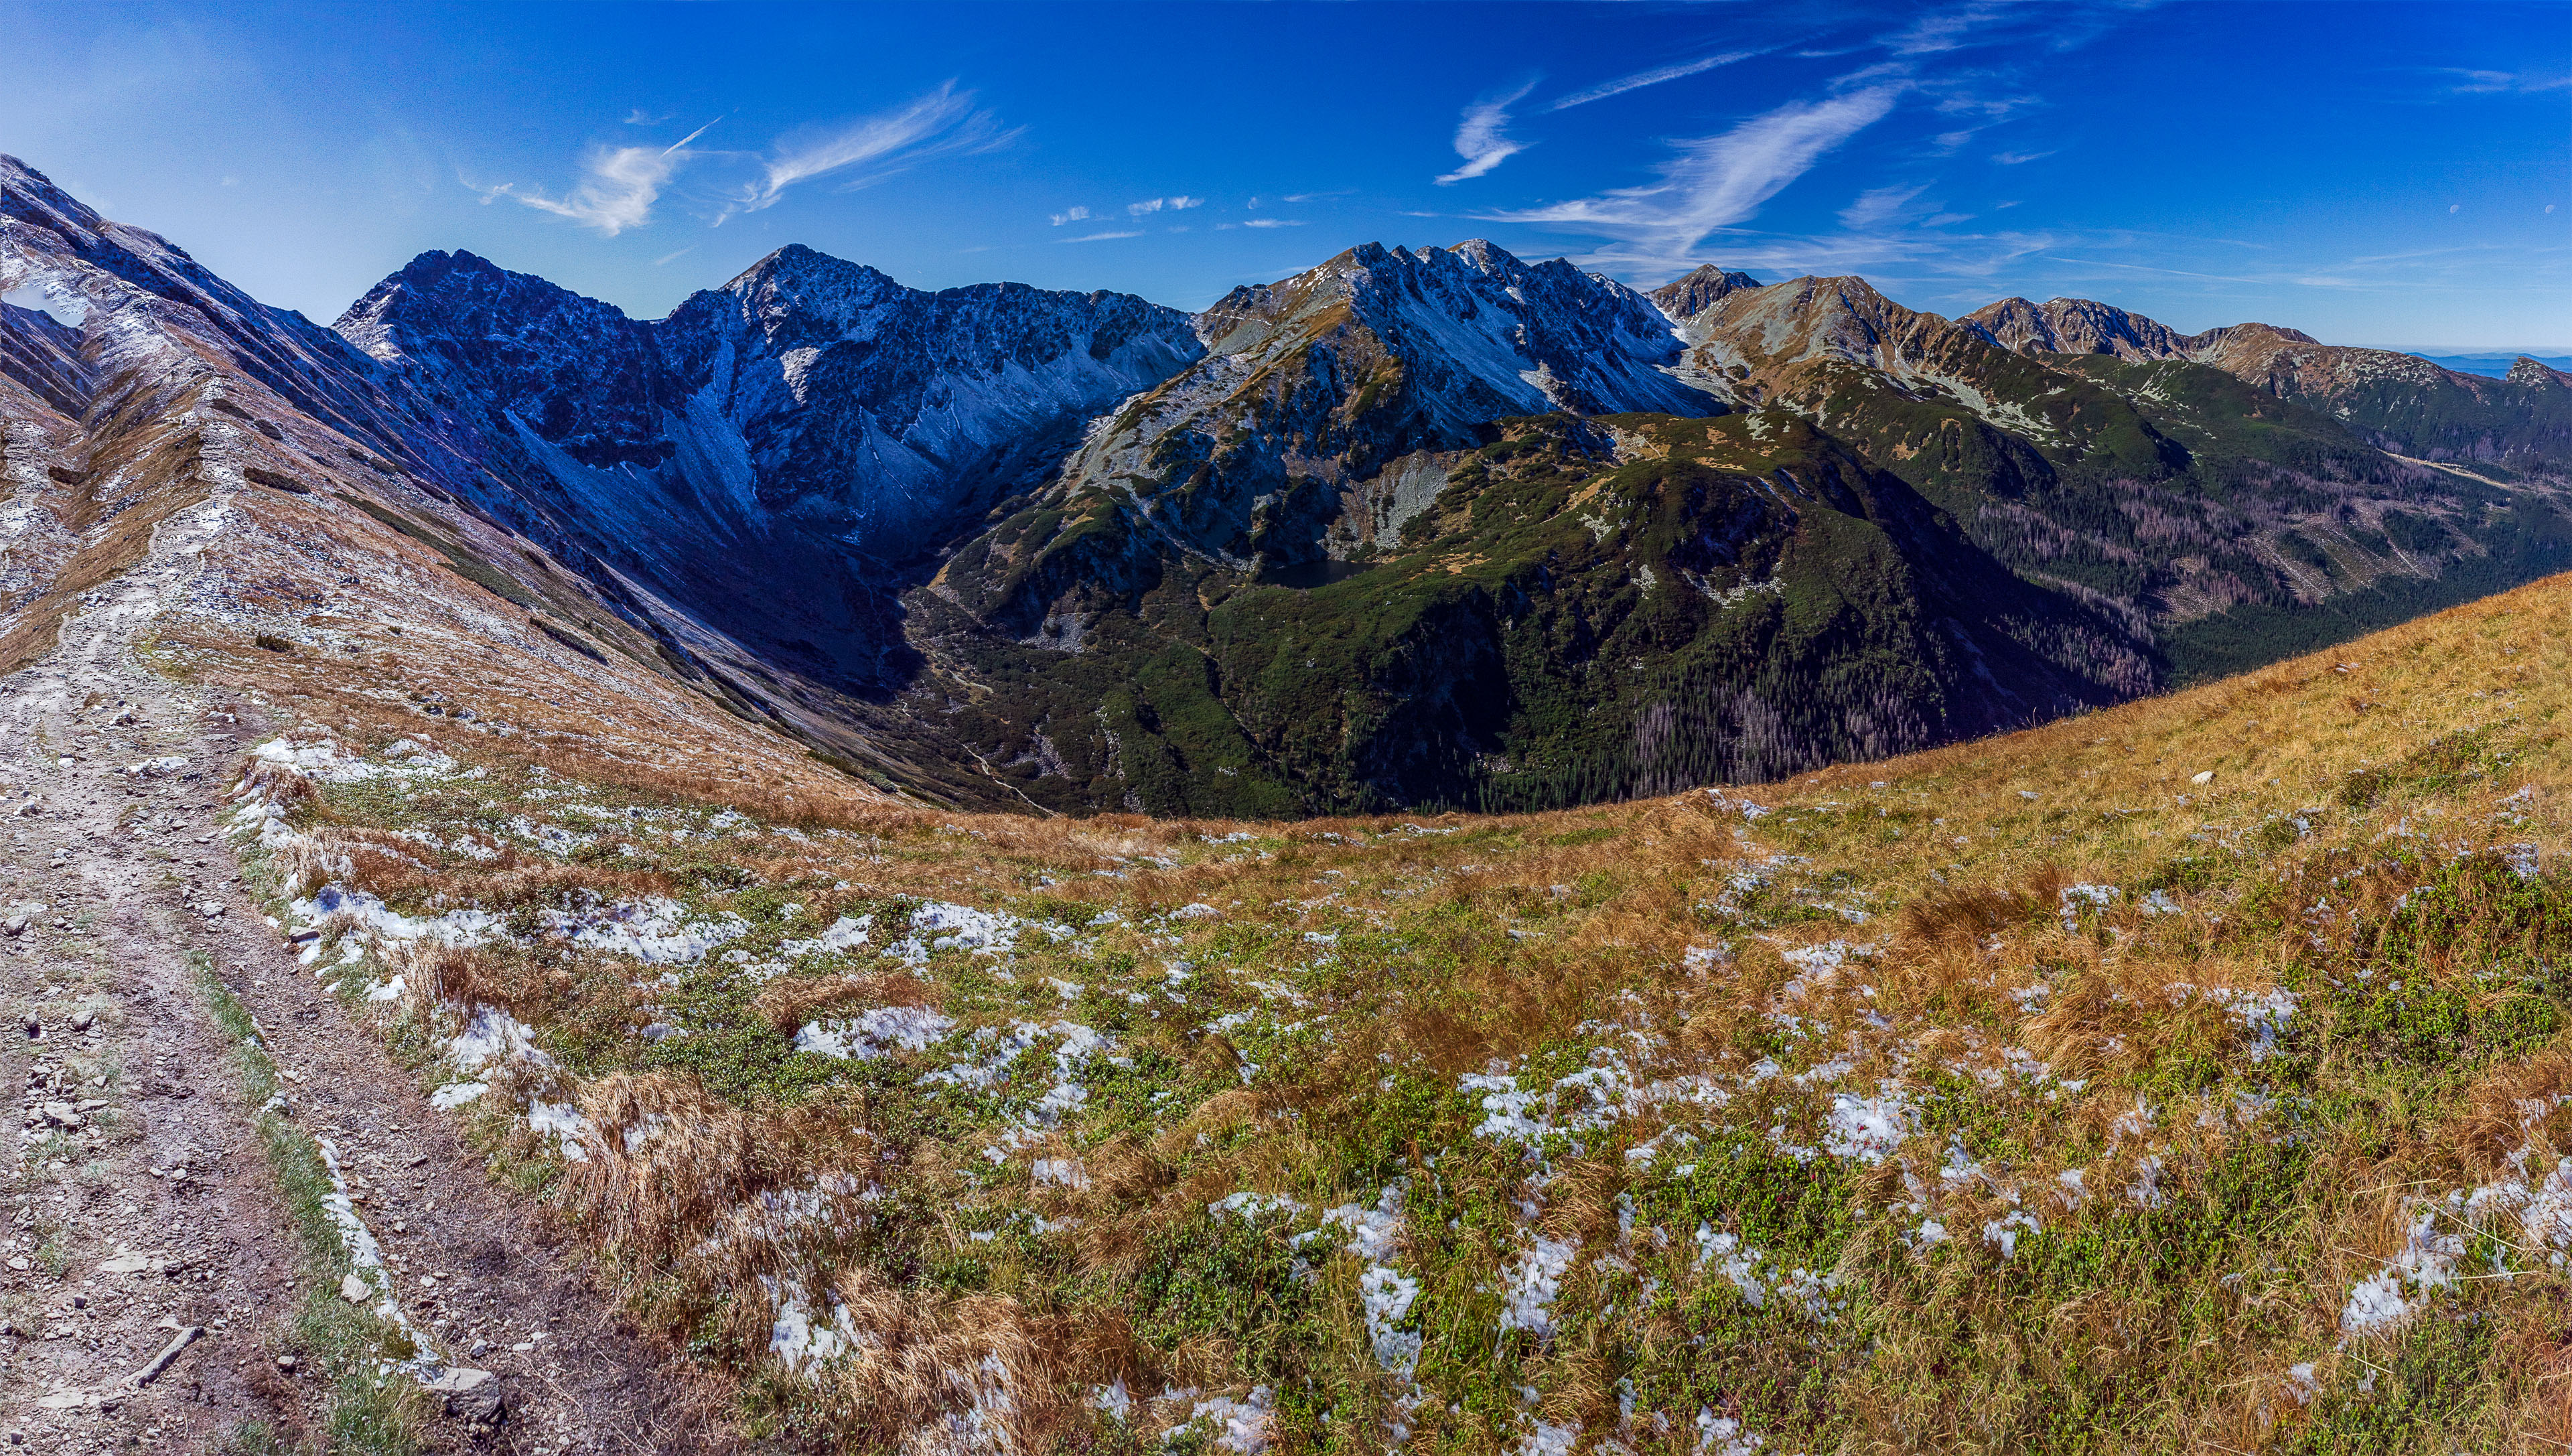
221, 1235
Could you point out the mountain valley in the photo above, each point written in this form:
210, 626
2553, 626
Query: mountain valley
1445, 856
997, 546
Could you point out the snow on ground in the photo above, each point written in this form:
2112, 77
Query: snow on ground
875, 1032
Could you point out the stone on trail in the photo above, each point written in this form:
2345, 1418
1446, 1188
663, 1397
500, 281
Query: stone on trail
355, 1289
472, 1396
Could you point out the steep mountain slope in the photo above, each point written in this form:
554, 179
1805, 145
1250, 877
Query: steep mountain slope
2080, 326
1296, 438
758, 459
1699, 290
1583, 609
2400, 401
276, 506
2218, 520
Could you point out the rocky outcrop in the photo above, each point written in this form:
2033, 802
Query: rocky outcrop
1313, 386
809, 390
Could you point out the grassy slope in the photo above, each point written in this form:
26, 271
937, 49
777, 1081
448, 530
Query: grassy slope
1670, 1102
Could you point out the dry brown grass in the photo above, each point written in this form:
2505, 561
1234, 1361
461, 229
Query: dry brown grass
1540, 928
789, 1003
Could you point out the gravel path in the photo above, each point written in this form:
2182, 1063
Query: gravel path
140, 1205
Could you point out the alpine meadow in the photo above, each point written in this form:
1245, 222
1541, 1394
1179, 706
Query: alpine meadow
1448, 850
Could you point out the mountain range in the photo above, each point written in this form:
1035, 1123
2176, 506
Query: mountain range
1411, 529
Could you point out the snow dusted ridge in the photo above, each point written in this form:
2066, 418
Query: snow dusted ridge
809, 390
1346, 372
1492, 335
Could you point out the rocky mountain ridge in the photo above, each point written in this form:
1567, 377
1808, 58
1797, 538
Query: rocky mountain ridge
1355, 538
750, 403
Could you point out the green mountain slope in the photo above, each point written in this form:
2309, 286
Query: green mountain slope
1325, 571
1587, 608
2162, 477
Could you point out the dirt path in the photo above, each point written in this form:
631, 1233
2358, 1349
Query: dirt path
139, 1204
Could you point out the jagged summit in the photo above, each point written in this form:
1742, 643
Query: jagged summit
2086, 326
460, 304
1498, 335
808, 388
2075, 325
1702, 288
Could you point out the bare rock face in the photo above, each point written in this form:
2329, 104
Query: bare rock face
809, 390
1316, 389
471, 1396
2534, 373
2075, 325
1700, 289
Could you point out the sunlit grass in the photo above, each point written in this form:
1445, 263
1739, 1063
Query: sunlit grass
2048, 1092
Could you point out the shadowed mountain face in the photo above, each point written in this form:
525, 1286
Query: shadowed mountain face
807, 390
772, 450
1411, 527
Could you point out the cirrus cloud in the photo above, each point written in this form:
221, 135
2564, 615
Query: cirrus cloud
620, 186
866, 151
1654, 77
1480, 138
1713, 182
617, 189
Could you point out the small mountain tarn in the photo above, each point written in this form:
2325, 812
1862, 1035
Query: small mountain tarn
1413, 528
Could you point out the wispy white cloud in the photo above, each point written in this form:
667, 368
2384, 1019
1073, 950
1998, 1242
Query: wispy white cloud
1273, 222
871, 149
619, 186
2019, 159
1878, 205
1297, 197
1641, 79
1943, 30
669, 257
2010, 23
616, 192
2492, 83
1098, 237
1715, 181
1152, 205
1069, 215
1480, 137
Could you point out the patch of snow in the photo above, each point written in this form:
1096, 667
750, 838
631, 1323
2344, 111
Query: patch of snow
1869, 1128
875, 1032
1530, 1282
845, 934
657, 932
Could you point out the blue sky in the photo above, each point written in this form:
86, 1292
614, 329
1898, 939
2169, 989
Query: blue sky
2388, 174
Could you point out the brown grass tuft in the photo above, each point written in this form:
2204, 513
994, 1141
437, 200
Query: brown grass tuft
790, 1002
